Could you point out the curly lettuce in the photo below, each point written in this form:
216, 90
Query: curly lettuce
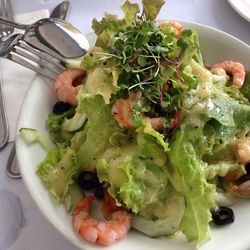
57, 171
136, 172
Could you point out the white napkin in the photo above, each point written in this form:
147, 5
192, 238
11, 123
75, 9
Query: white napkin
16, 78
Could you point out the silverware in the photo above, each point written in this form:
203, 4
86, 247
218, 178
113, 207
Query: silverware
17, 50
4, 131
60, 36
6, 11
12, 170
61, 12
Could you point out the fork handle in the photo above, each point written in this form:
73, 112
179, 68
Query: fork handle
13, 24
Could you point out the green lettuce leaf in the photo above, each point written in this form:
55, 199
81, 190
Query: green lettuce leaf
57, 171
220, 169
108, 22
54, 124
130, 11
230, 118
137, 173
146, 128
111, 23
93, 140
245, 90
100, 81
92, 59
151, 8
192, 50
222, 110
190, 181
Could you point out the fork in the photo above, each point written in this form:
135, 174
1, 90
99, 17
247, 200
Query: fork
47, 63
6, 11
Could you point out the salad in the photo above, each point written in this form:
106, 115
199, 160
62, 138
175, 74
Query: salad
145, 127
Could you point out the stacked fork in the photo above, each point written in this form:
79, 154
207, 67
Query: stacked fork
34, 49
5, 11
16, 82
16, 49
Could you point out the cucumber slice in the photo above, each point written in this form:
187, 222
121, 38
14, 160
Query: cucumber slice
30, 135
164, 226
75, 123
74, 63
73, 196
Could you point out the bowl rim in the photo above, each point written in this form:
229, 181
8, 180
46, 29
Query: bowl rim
25, 177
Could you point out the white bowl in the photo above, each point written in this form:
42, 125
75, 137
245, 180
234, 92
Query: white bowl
216, 46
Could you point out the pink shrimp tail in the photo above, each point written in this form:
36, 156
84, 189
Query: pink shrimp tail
100, 232
242, 189
68, 84
233, 68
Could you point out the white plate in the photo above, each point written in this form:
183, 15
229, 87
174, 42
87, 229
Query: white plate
242, 7
216, 46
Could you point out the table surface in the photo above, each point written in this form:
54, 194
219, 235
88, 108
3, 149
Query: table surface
22, 226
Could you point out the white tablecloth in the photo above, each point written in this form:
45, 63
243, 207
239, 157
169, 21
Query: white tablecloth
22, 226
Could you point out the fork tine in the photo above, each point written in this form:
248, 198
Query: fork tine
50, 59
35, 43
28, 64
9, 10
6, 12
36, 59
15, 49
3, 9
3, 14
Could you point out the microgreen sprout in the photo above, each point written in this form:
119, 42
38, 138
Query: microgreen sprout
150, 59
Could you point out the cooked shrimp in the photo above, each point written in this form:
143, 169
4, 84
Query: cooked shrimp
243, 151
235, 69
242, 189
243, 155
220, 72
100, 232
178, 26
67, 85
122, 112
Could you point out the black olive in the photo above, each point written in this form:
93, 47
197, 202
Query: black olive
243, 178
99, 192
223, 216
248, 168
61, 107
88, 180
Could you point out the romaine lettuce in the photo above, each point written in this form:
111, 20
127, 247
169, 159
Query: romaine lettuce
110, 23
245, 90
151, 8
54, 124
57, 171
100, 81
137, 173
95, 135
189, 180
